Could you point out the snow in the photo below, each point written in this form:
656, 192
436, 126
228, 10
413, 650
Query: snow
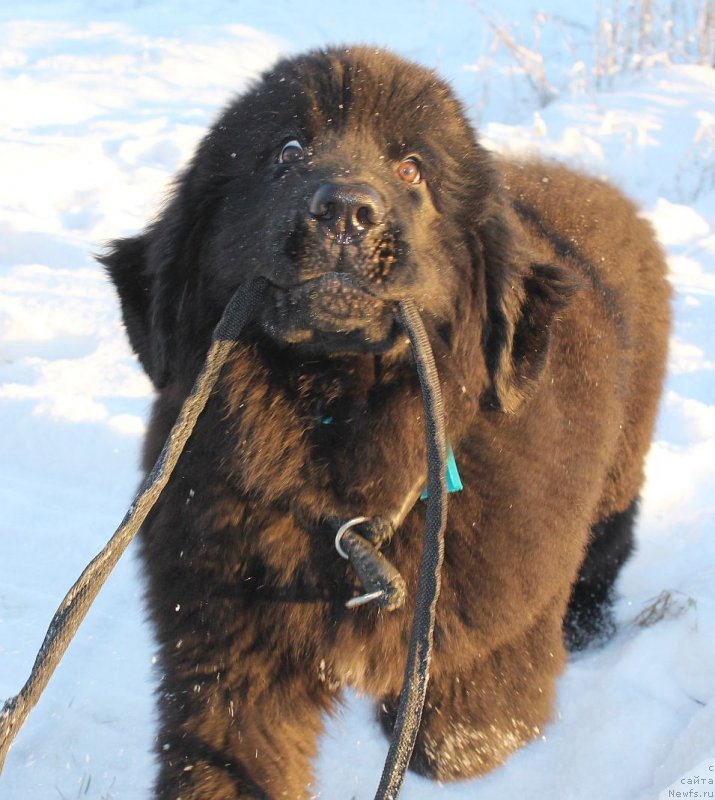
102, 101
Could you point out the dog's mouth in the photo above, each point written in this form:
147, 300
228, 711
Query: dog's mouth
331, 313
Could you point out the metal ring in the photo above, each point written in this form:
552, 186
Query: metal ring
342, 530
362, 599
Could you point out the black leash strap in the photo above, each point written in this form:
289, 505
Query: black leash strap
80, 597
414, 686
381, 581
74, 607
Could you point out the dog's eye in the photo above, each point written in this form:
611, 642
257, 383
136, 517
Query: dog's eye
292, 151
408, 170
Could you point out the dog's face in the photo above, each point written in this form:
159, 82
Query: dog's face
350, 180
348, 234
341, 192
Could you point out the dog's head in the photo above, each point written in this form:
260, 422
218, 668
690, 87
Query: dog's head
349, 179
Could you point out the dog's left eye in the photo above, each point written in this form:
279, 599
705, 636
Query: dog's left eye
408, 170
292, 151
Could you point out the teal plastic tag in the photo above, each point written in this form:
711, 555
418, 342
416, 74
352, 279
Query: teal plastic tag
454, 482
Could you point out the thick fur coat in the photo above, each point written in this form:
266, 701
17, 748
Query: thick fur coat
350, 179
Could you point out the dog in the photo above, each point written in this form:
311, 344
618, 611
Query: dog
349, 180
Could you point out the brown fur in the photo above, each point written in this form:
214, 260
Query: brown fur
547, 306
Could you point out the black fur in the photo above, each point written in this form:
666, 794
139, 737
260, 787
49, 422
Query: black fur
589, 619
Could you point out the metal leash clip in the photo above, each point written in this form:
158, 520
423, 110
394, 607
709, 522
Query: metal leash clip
381, 580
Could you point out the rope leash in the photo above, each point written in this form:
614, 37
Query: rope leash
80, 597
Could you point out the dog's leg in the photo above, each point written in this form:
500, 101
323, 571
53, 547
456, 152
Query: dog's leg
255, 739
475, 718
589, 618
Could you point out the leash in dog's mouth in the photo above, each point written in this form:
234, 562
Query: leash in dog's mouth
333, 312
381, 580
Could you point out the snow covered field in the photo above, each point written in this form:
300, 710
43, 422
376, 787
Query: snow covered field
101, 101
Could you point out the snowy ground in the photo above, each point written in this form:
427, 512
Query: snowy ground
101, 102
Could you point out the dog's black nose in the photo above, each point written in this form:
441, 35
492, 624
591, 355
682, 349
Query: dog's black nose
346, 211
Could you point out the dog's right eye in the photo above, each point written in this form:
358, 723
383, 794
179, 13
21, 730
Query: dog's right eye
292, 151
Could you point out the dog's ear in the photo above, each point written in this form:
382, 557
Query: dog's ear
153, 273
126, 261
522, 301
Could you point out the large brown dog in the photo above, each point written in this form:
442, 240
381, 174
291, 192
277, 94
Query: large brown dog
350, 179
